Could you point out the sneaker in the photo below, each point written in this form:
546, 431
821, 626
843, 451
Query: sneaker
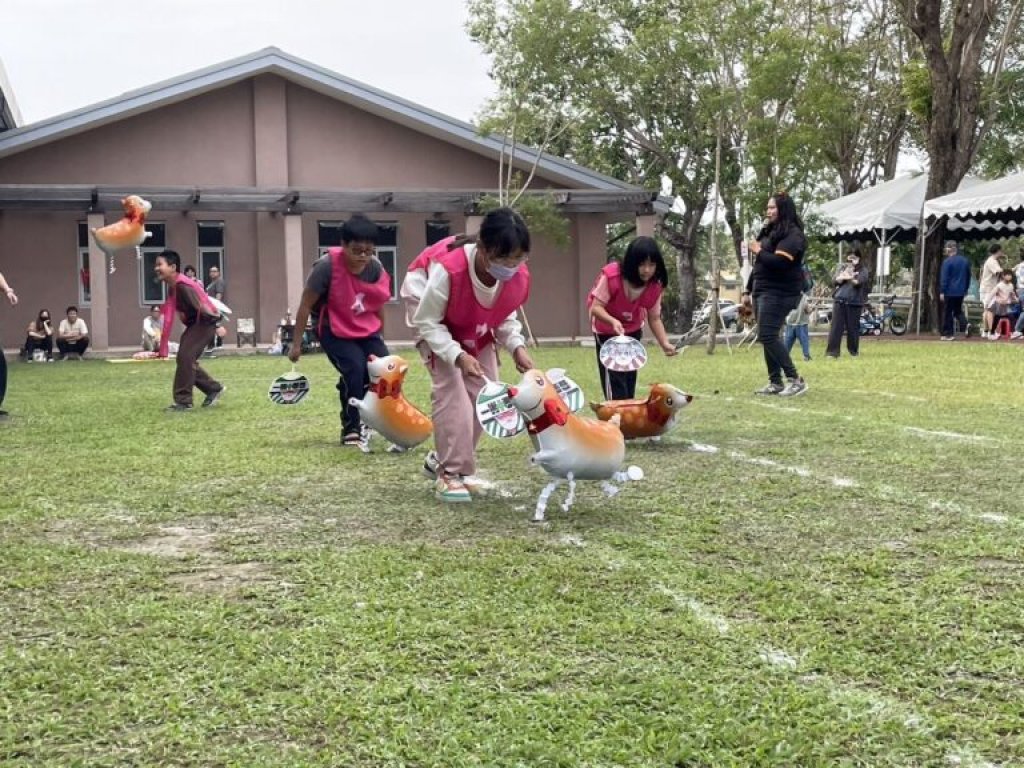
993, 337
431, 465
770, 388
178, 407
450, 488
351, 439
1016, 335
213, 397
795, 387
945, 338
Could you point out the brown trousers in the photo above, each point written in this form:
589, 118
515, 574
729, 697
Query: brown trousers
189, 373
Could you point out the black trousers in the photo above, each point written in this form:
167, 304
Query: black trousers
772, 308
348, 356
32, 344
953, 309
616, 385
78, 347
3, 376
845, 320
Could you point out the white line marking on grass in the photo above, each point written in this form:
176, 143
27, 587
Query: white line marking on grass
877, 705
994, 518
950, 435
839, 482
893, 395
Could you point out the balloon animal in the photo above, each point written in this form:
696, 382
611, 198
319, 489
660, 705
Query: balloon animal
568, 447
652, 417
385, 409
127, 232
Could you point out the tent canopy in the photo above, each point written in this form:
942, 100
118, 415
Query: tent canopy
887, 212
991, 209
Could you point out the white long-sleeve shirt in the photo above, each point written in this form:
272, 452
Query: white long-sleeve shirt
429, 294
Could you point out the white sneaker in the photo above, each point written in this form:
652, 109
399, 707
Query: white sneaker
451, 489
476, 484
431, 465
1016, 335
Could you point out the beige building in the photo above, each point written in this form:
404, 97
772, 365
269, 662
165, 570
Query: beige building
251, 165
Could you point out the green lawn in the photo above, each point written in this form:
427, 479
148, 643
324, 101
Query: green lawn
832, 580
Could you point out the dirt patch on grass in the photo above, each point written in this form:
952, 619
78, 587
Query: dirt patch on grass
174, 541
223, 577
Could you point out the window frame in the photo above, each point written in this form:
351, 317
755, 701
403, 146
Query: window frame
154, 251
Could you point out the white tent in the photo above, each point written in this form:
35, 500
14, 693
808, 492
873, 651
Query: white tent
992, 209
887, 212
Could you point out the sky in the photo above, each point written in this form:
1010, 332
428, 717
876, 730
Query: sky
61, 55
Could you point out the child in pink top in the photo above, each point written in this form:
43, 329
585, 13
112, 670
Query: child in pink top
345, 293
462, 295
622, 299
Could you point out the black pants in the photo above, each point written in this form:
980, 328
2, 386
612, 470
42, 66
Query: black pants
772, 309
3, 376
953, 309
616, 385
349, 356
845, 320
32, 344
78, 347
188, 374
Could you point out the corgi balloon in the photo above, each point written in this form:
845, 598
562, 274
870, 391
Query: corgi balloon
567, 446
127, 232
652, 417
384, 407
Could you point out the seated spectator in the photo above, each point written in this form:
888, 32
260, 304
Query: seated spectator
190, 271
72, 335
285, 334
152, 327
40, 337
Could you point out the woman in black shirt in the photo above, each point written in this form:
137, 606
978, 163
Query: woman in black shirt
775, 284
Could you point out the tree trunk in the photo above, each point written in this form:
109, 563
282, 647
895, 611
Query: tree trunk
683, 238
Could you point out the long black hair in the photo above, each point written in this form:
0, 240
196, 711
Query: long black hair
786, 220
643, 249
39, 319
502, 233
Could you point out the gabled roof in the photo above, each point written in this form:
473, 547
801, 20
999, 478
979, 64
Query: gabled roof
277, 62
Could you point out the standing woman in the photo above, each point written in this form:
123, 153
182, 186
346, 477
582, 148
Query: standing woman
775, 283
12, 298
847, 305
187, 297
623, 297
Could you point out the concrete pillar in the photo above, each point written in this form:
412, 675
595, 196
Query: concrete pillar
99, 303
293, 277
645, 225
591, 255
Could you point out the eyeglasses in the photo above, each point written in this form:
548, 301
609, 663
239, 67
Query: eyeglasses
362, 251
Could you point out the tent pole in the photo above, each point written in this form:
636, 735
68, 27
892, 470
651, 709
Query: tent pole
922, 238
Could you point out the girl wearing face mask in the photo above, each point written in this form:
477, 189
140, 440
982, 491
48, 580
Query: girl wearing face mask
847, 304
40, 336
461, 297
623, 297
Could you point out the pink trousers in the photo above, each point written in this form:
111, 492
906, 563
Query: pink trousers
453, 398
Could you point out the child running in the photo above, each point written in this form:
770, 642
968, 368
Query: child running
462, 295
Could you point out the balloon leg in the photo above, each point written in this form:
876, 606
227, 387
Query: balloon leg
542, 500
567, 504
111, 269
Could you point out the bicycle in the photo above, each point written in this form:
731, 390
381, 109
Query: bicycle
874, 324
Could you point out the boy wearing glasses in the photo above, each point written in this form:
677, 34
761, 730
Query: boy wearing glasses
345, 293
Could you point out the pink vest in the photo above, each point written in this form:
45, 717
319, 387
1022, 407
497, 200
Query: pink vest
167, 309
470, 323
353, 306
631, 313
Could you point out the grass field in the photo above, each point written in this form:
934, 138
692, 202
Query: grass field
832, 580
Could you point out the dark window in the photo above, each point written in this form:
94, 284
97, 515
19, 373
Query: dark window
328, 234
438, 230
210, 234
151, 289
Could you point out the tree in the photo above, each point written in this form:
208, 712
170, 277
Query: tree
955, 91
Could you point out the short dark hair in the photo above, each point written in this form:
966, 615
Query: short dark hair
72, 308
641, 250
188, 267
995, 248
503, 232
359, 229
171, 257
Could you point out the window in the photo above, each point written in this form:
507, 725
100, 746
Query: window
329, 236
151, 289
84, 285
210, 239
437, 230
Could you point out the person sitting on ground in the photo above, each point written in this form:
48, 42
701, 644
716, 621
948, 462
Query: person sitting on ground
39, 337
72, 335
152, 327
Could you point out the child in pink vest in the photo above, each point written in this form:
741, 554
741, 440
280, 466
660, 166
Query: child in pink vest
622, 299
461, 296
187, 299
345, 293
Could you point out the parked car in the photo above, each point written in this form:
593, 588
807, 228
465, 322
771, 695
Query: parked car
727, 308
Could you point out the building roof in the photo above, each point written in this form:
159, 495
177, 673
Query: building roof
277, 62
10, 115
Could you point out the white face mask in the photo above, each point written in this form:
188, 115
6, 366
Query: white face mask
500, 273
